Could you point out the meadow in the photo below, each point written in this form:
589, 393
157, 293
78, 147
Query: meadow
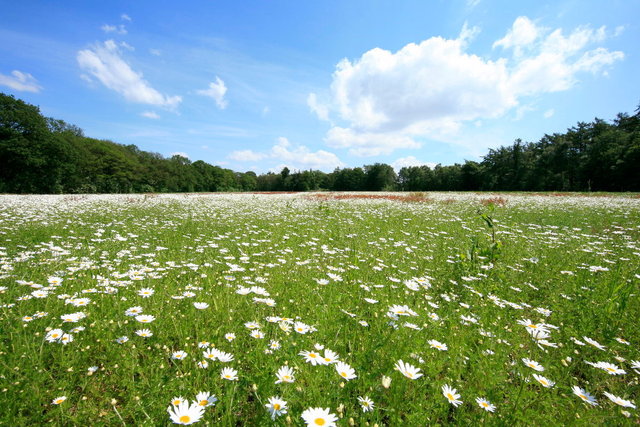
320, 308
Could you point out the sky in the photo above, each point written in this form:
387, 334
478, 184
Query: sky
259, 85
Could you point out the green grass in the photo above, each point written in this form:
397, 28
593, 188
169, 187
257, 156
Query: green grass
212, 245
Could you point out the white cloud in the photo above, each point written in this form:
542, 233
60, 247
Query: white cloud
409, 161
155, 52
118, 29
20, 81
295, 157
125, 17
321, 110
150, 115
429, 90
216, 91
105, 63
549, 113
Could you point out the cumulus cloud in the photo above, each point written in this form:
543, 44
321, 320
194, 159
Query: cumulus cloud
23, 82
297, 157
216, 90
429, 90
321, 110
408, 162
105, 63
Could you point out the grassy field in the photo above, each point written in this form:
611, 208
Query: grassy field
383, 309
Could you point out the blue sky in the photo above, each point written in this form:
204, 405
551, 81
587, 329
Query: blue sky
257, 85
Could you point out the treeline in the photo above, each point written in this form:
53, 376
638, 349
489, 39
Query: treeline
45, 155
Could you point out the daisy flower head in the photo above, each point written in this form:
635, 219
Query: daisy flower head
345, 371
533, 364
229, 374
408, 370
452, 395
366, 403
58, 400
546, 382
200, 305
610, 368
122, 339
145, 318
485, 404
133, 311
319, 417
276, 407
230, 337
312, 357
205, 399
437, 344
330, 357
185, 413
203, 364
584, 395
179, 355
594, 343
54, 335
176, 401
620, 401
285, 375
146, 292
145, 333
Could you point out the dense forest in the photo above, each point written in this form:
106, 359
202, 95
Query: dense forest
46, 155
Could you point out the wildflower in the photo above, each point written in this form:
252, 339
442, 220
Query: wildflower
176, 401
436, 344
185, 413
330, 357
145, 333
54, 335
230, 337
145, 318
345, 371
584, 395
594, 343
274, 345
66, 339
146, 292
452, 395
203, 364
179, 355
224, 357
533, 364
485, 404
620, 401
133, 311
623, 341
366, 403
533, 326
205, 399
122, 340
546, 382
301, 328
200, 305
210, 353
203, 344
610, 368
58, 400
319, 417
276, 407
407, 370
257, 333
229, 374
285, 375
312, 357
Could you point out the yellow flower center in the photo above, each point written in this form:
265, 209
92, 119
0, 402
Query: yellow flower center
319, 421
532, 326
582, 396
344, 374
313, 355
276, 406
185, 419
485, 404
450, 397
610, 369
203, 402
176, 402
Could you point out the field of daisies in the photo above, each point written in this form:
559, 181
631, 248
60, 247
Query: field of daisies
320, 309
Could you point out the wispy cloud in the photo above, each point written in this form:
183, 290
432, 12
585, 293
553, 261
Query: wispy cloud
104, 62
23, 82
